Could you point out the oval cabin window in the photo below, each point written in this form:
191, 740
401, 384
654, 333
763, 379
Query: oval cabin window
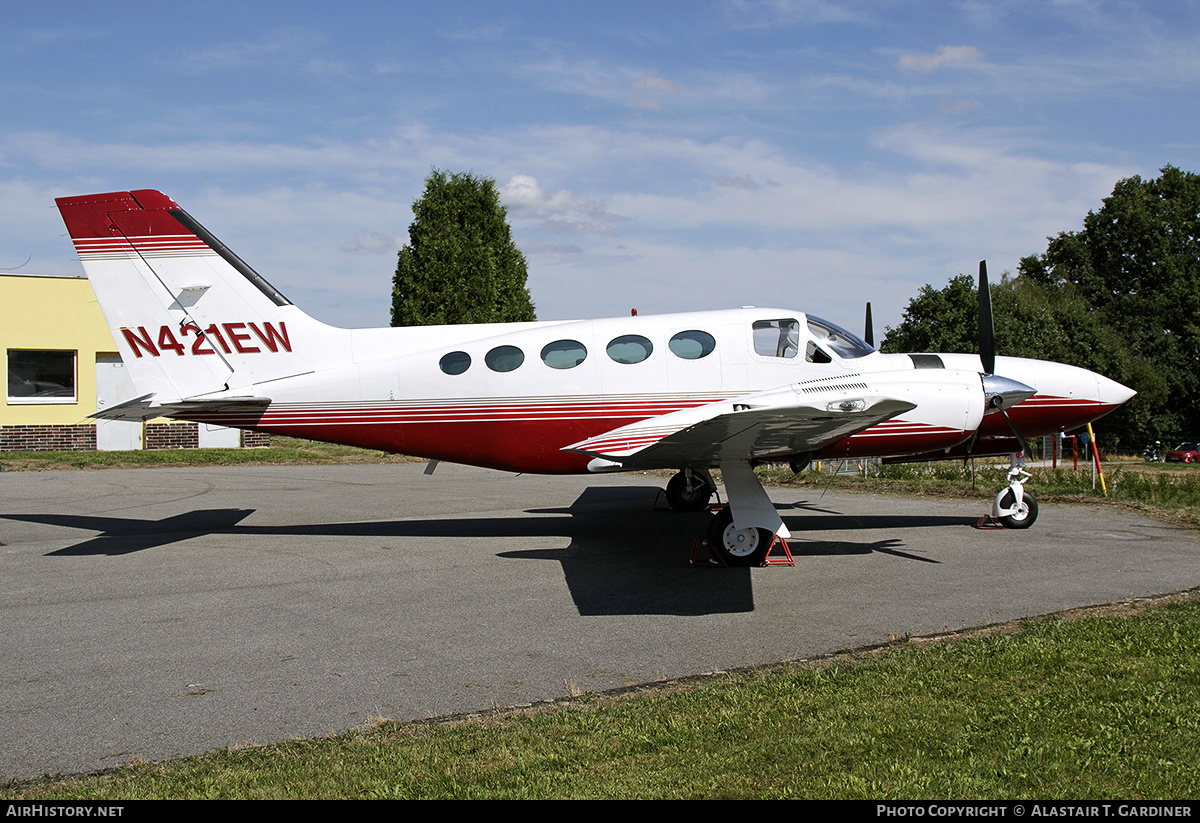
630, 348
504, 358
564, 354
693, 344
456, 362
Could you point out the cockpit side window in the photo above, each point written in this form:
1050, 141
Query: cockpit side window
844, 344
777, 338
814, 354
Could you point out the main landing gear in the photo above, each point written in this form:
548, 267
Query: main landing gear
690, 490
749, 541
738, 547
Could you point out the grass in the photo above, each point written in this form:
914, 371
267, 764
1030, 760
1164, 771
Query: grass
1167, 491
283, 451
1099, 703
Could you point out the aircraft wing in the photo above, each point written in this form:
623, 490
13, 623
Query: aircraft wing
777, 423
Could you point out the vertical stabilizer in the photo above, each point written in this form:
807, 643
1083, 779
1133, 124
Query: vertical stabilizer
189, 317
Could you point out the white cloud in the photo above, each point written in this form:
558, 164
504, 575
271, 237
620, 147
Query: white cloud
561, 212
944, 56
376, 243
652, 82
654, 219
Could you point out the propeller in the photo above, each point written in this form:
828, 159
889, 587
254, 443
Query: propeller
999, 392
987, 330
869, 329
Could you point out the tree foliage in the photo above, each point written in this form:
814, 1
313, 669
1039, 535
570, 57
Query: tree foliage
1137, 264
461, 265
1121, 297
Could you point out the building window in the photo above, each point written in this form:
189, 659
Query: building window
41, 376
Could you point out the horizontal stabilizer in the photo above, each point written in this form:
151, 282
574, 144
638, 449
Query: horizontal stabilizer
134, 410
144, 408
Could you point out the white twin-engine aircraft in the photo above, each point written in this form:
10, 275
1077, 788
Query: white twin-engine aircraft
205, 338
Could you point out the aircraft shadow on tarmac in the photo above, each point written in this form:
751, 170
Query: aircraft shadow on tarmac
624, 556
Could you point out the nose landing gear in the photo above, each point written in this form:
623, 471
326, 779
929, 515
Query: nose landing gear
1014, 507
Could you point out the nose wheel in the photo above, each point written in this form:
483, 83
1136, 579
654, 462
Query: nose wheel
1014, 507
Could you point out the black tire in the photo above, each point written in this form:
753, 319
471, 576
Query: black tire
737, 547
677, 494
1022, 519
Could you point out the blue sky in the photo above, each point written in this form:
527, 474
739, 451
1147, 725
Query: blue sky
666, 156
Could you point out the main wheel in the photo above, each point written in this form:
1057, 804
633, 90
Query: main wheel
1025, 515
681, 500
737, 547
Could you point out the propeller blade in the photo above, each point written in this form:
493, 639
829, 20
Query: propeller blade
987, 332
1017, 432
869, 335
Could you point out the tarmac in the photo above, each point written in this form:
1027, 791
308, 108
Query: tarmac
155, 613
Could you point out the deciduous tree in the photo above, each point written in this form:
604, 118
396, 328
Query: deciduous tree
1136, 263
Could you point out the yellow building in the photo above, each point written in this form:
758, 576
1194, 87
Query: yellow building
61, 364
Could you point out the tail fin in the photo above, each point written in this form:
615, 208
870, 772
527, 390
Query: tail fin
189, 317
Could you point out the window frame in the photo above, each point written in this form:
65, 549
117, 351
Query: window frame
45, 400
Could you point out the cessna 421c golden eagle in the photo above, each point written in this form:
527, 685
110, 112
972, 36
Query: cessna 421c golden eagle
207, 339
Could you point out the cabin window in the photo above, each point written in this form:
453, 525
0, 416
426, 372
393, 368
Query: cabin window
692, 345
564, 354
777, 338
630, 348
456, 362
41, 376
504, 358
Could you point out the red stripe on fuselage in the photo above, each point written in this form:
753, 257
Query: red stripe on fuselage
527, 436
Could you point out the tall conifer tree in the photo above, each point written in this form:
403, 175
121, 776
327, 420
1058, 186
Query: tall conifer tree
460, 265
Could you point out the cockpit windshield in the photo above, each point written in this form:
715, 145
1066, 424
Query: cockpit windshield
847, 345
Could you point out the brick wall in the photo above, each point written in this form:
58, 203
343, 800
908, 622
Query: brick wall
80, 438
255, 440
172, 436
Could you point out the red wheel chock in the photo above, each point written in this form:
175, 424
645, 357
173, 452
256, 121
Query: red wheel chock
711, 558
785, 560
988, 522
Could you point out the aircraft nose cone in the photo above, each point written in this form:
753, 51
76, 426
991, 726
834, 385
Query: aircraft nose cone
1112, 393
1003, 392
